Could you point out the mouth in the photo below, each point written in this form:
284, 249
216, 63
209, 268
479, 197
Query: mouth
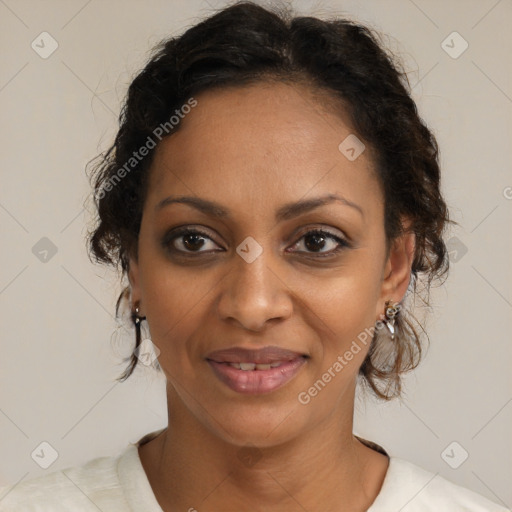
256, 371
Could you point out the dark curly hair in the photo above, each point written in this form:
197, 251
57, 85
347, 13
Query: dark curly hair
246, 44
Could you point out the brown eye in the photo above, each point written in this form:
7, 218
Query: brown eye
316, 240
192, 241
186, 240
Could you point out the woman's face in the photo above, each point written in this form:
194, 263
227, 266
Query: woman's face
254, 277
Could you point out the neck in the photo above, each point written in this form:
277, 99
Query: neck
189, 467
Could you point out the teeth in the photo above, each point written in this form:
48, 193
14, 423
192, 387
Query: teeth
254, 366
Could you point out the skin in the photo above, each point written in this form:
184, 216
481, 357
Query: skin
252, 149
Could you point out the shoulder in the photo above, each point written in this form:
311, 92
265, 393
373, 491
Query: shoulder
410, 488
85, 487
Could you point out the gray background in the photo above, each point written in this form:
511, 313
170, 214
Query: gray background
59, 361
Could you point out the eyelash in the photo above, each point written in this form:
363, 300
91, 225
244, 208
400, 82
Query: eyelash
180, 232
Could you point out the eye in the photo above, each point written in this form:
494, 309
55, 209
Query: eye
185, 240
316, 239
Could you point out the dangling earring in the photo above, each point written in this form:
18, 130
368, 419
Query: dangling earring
137, 320
390, 312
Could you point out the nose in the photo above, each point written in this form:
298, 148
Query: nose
254, 294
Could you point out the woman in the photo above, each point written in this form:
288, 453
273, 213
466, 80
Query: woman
272, 196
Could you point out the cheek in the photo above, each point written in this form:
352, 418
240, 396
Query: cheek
174, 299
175, 302
346, 316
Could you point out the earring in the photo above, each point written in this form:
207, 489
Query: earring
390, 312
137, 320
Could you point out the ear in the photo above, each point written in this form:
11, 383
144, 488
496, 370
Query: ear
134, 278
397, 270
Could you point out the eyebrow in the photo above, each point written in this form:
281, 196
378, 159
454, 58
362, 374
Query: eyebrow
285, 212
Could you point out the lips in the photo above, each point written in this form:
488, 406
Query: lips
266, 355
255, 371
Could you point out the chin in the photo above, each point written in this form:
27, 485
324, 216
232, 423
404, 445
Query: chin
260, 426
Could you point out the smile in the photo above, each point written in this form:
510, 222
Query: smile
256, 378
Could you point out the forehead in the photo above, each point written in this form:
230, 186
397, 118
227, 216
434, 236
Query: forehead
265, 140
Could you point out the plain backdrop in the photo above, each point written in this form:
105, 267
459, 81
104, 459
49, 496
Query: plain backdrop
61, 347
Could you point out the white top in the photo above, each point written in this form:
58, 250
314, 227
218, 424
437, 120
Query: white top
119, 483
